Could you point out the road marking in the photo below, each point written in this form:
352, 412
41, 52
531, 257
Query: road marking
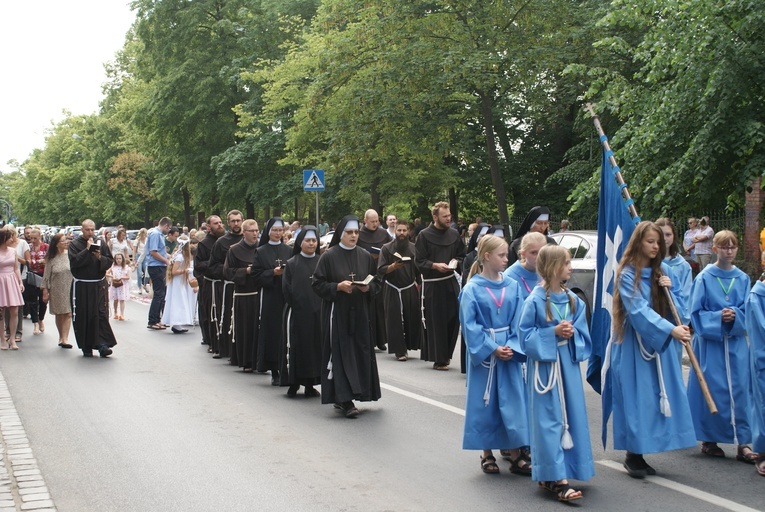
423, 399
684, 489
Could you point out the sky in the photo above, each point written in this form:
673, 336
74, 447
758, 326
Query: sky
52, 55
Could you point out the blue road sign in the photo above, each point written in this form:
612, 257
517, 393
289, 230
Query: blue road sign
313, 180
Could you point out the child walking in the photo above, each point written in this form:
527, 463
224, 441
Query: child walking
119, 290
755, 327
555, 338
524, 271
643, 383
495, 411
718, 317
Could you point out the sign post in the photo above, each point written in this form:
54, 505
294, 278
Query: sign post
313, 181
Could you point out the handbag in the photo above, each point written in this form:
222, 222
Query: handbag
34, 279
117, 283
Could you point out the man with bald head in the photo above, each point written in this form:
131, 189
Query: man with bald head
89, 262
372, 237
215, 230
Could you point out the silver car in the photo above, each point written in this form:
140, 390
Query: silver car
583, 246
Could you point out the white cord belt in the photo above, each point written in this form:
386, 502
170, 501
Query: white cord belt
730, 390
289, 318
555, 378
74, 297
213, 305
422, 293
231, 329
401, 300
664, 406
223, 307
491, 365
331, 319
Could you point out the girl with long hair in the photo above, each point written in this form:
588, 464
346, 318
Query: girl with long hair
119, 290
681, 269
180, 301
11, 288
495, 410
643, 385
555, 338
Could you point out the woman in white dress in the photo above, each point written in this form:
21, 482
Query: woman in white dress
181, 299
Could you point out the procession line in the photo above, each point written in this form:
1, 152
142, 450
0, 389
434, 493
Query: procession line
684, 489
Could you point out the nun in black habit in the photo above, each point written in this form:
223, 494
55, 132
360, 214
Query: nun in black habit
267, 270
301, 349
349, 366
538, 219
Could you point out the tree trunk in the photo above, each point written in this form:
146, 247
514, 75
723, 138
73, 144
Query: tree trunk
187, 218
491, 152
250, 207
373, 192
146, 215
453, 206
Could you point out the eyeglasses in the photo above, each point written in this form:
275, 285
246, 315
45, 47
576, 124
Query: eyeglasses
728, 248
251, 230
351, 231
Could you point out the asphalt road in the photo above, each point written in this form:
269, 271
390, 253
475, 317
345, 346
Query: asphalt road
160, 426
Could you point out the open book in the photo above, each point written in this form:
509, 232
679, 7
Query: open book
366, 280
95, 246
401, 258
453, 264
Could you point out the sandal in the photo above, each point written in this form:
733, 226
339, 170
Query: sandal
745, 454
568, 493
64, 344
520, 466
442, 367
712, 449
760, 465
17, 338
156, 327
402, 358
489, 465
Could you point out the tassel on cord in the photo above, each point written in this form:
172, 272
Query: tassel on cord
664, 407
566, 442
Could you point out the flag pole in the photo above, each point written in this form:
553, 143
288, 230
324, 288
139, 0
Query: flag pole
633, 211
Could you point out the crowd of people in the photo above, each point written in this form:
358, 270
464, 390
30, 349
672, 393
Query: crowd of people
312, 316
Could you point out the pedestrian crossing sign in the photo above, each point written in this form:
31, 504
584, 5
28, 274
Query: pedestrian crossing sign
313, 180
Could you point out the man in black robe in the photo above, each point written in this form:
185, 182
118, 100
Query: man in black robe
301, 365
538, 219
440, 252
372, 237
349, 365
267, 270
246, 301
400, 296
201, 262
224, 295
90, 310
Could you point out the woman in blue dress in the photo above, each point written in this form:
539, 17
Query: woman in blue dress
681, 269
643, 383
718, 316
755, 327
555, 338
524, 271
495, 410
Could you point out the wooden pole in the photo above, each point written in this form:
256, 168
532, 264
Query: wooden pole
633, 211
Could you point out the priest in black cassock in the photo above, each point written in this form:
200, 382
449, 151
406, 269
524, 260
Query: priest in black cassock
224, 290
440, 252
372, 237
246, 300
349, 366
267, 269
538, 219
400, 294
204, 295
301, 364
90, 309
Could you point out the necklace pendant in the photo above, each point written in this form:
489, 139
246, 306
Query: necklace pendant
498, 310
727, 299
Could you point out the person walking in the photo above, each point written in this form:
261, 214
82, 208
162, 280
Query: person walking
157, 261
703, 243
57, 285
22, 259
139, 261
181, 300
32, 291
11, 288
119, 289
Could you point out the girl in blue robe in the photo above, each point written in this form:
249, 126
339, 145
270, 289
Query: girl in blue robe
755, 326
681, 269
718, 318
524, 271
555, 338
643, 383
495, 409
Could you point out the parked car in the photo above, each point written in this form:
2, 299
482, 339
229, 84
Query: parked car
583, 246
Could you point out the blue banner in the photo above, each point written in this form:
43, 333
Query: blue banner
615, 227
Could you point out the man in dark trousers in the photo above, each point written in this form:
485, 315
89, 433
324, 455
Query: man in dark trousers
223, 301
90, 311
372, 237
206, 284
440, 252
400, 296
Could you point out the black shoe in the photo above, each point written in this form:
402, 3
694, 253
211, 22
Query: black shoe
274, 377
311, 392
178, 331
382, 347
216, 356
350, 410
204, 342
104, 351
292, 391
87, 353
635, 465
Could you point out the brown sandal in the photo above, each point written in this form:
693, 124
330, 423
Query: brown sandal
749, 456
489, 465
711, 449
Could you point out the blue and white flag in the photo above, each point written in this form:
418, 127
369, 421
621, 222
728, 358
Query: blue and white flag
615, 227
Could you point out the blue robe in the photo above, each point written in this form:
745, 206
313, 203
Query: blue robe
542, 348
707, 303
639, 425
682, 271
526, 279
755, 326
502, 422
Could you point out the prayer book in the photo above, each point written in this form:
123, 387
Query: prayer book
453, 264
365, 282
401, 258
